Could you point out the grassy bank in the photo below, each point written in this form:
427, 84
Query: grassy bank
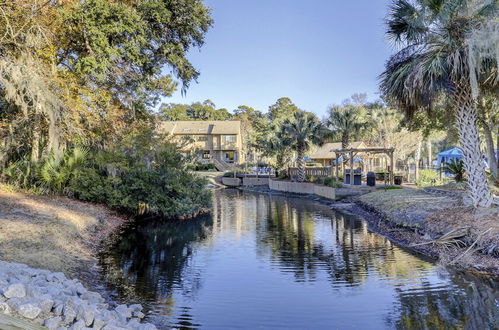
440, 226
54, 232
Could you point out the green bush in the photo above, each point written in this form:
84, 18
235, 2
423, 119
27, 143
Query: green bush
22, 173
201, 167
89, 185
310, 178
428, 178
141, 174
330, 182
456, 167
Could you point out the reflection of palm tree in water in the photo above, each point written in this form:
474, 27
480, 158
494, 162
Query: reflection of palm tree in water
153, 260
295, 244
467, 306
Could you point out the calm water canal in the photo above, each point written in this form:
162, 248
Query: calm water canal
272, 262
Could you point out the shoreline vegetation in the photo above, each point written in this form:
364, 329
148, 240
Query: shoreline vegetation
438, 227
49, 249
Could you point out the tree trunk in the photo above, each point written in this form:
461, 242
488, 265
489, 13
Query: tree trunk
417, 157
301, 163
35, 141
428, 150
469, 138
489, 142
487, 125
497, 141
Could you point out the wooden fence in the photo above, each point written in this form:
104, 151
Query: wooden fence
317, 172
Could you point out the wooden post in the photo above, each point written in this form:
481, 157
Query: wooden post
351, 168
392, 168
337, 167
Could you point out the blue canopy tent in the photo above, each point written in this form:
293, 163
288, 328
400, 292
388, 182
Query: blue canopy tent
356, 159
448, 155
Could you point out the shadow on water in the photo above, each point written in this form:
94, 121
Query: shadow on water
272, 261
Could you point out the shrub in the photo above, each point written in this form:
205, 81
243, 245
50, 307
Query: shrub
22, 173
455, 167
201, 167
88, 185
310, 178
141, 174
56, 172
428, 178
330, 182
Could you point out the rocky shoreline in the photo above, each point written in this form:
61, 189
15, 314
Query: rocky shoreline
51, 300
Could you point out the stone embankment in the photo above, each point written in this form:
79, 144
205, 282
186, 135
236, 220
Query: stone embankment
51, 300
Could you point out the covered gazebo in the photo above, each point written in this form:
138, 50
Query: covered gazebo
352, 153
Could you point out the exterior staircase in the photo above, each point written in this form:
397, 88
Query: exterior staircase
222, 166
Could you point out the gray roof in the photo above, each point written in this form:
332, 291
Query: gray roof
324, 152
200, 127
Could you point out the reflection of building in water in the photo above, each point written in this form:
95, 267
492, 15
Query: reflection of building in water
167, 266
237, 212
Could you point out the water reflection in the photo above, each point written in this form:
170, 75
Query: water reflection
270, 261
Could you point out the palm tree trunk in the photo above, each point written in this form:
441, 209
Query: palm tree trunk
301, 163
469, 138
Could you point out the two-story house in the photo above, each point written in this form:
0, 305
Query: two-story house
217, 141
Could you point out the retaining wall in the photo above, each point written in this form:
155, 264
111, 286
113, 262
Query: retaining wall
253, 181
303, 188
231, 182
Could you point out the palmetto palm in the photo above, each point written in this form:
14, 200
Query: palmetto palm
345, 123
300, 132
439, 57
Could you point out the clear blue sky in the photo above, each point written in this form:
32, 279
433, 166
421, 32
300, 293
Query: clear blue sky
316, 52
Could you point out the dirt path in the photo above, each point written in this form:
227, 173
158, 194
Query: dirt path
55, 233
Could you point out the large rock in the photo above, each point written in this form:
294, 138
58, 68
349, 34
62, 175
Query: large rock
56, 302
29, 311
99, 322
4, 308
16, 290
124, 312
87, 314
53, 323
45, 303
69, 314
78, 325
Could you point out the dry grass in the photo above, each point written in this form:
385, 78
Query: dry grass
457, 234
483, 226
52, 232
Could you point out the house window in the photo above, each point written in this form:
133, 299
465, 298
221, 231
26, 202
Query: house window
230, 139
206, 155
229, 156
201, 138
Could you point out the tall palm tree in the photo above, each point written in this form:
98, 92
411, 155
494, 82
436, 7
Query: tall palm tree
346, 123
300, 132
440, 56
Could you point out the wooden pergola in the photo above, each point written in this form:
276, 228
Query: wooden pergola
352, 152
